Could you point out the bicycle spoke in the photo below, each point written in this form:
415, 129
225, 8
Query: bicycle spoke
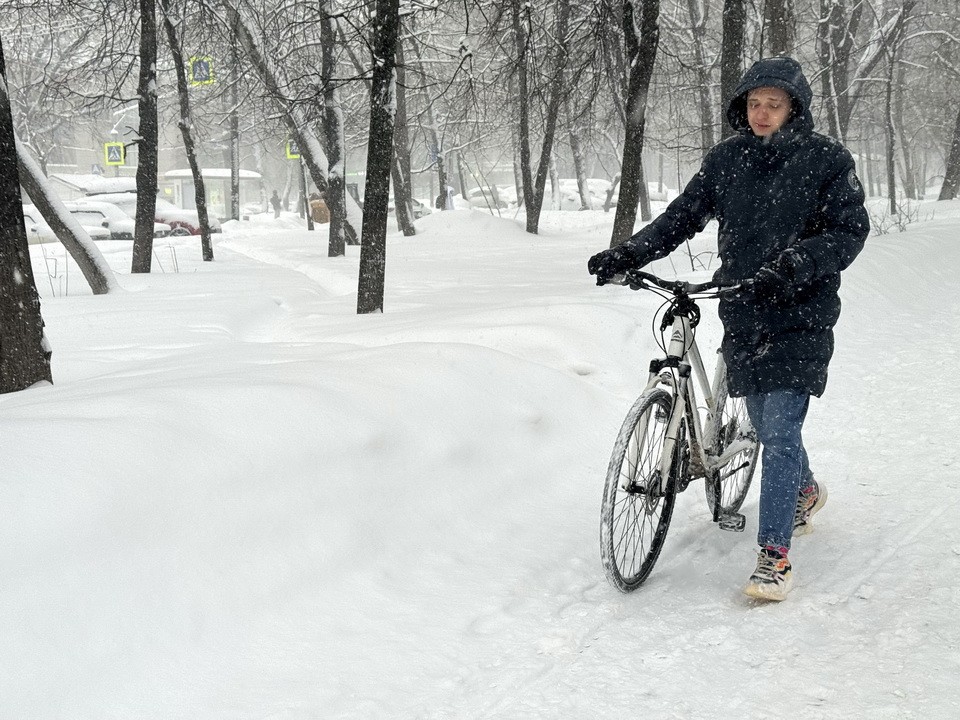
733, 431
637, 506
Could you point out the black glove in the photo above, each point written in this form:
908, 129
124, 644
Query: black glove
770, 285
779, 280
608, 263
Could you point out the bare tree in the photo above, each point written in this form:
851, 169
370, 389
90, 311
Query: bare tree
24, 353
333, 133
186, 130
298, 121
951, 175
373, 236
642, 35
555, 96
698, 12
400, 166
731, 59
845, 75
147, 142
836, 34
69, 232
779, 27
520, 14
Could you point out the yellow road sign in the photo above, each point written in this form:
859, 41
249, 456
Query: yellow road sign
201, 70
114, 153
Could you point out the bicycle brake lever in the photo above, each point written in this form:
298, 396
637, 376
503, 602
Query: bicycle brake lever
741, 291
633, 281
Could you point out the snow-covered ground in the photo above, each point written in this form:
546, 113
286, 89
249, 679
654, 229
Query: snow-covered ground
241, 500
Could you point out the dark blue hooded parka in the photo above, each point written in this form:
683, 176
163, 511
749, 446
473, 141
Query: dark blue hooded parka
796, 188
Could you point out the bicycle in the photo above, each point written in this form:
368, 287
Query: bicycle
662, 445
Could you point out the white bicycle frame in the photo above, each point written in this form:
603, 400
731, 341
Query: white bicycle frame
683, 355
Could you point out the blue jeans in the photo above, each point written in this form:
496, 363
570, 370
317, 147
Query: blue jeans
778, 419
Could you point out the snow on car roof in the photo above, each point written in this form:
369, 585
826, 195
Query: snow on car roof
212, 173
94, 184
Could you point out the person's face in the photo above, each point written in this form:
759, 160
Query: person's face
768, 108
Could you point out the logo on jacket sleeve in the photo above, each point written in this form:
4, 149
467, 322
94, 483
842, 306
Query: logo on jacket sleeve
854, 181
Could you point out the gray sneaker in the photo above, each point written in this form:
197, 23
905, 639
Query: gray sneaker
773, 577
809, 501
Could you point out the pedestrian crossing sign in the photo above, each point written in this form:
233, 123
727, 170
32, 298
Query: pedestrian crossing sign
201, 70
114, 153
293, 149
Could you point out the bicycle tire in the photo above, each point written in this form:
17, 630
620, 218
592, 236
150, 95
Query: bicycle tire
732, 490
634, 524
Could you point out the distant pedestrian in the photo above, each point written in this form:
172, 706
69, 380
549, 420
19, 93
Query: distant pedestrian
318, 208
275, 201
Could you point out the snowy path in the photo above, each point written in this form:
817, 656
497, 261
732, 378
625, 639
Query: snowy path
241, 500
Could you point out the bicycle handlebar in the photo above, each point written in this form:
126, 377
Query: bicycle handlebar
637, 280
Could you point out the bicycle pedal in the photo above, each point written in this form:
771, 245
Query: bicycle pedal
732, 522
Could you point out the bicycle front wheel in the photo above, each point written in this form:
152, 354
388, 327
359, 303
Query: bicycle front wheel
637, 506
729, 484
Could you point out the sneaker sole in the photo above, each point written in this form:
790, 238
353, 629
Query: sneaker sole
806, 528
769, 592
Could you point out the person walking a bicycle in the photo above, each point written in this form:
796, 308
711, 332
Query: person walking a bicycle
791, 217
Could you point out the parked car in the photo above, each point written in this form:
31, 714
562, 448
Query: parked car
108, 215
420, 208
39, 232
181, 222
491, 197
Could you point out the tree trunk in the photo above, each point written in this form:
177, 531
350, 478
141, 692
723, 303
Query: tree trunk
642, 51
556, 90
517, 172
555, 194
462, 177
871, 174
698, 25
576, 149
909, 174
186, 131
305, 211
522, 97
779, 27
81, 248
951, 176
833, 49
400, 170
234, 140
24, 353
435, 140
333, 134
731, 57
891, 138
608, 201
74, 239
373, 236
147, 164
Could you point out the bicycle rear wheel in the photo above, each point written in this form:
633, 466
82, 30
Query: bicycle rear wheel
635, 513
729, 484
